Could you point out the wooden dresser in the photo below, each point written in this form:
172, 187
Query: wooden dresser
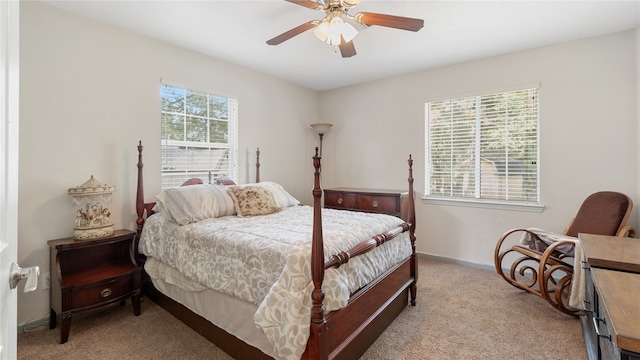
611, 324
392, 202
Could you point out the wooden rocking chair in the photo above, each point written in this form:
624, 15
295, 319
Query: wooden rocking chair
544, 263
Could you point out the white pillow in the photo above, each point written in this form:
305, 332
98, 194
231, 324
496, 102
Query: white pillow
280, 195
188, 204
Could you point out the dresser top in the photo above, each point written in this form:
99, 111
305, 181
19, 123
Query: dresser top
620, 295
368, 191
611, 252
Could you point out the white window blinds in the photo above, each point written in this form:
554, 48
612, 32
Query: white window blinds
199, 135
483, 147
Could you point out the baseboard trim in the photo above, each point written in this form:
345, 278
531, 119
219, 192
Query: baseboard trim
457, 261
33, 325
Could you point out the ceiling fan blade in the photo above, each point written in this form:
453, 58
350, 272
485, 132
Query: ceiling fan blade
398, 22
347, 49
293, 32
307, 3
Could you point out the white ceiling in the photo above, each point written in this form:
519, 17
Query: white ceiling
454, 32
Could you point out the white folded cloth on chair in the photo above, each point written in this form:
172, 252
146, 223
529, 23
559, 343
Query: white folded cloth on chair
579, 281
544, 238
526, 237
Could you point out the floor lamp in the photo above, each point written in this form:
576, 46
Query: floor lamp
321, 129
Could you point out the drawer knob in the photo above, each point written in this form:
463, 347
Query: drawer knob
340, 201
105, 292
374, 204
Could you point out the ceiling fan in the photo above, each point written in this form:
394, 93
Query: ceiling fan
337, 27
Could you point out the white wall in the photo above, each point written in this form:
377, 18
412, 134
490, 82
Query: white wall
588, 136
89, 92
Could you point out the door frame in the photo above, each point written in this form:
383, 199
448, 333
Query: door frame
9, 125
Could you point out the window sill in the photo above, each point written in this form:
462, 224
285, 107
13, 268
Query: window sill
486, 204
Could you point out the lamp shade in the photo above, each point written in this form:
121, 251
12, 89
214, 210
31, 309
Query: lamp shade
321, 128
322, 30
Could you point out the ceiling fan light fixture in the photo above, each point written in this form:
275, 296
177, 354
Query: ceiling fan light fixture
332, 31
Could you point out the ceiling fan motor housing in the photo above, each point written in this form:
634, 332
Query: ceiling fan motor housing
349, 3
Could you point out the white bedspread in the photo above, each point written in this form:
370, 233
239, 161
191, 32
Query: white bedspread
267, 260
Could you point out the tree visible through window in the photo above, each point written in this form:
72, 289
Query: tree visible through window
199, 135
483, 147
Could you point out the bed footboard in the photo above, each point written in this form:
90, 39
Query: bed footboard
347, 333
351, 330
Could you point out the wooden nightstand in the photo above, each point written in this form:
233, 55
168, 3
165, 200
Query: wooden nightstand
392, 202
90, 274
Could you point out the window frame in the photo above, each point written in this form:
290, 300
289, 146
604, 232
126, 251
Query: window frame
231, 169
517, 205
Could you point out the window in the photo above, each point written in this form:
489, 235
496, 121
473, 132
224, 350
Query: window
483, 148
199, 135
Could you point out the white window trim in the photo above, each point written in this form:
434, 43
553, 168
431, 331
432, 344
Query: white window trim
483, 203
484, 91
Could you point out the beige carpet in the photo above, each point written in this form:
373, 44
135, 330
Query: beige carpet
462, 313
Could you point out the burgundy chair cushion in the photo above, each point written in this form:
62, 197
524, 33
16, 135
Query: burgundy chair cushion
601, 213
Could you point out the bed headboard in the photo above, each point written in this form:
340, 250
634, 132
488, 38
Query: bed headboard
144, 209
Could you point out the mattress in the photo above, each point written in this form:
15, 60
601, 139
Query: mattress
227, 312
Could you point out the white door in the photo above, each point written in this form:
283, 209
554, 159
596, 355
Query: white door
9, 46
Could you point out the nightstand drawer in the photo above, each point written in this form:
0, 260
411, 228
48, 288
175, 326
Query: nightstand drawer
379, 203
105, 291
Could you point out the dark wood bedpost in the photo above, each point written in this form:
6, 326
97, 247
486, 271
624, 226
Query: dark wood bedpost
140, 193
257, 165
412, 233
317, 347
140, 207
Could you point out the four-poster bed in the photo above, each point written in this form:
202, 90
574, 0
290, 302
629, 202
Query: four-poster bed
341, 331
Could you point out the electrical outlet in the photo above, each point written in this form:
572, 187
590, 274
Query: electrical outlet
45, 281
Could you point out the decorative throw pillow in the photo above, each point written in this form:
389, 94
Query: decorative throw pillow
252, 200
